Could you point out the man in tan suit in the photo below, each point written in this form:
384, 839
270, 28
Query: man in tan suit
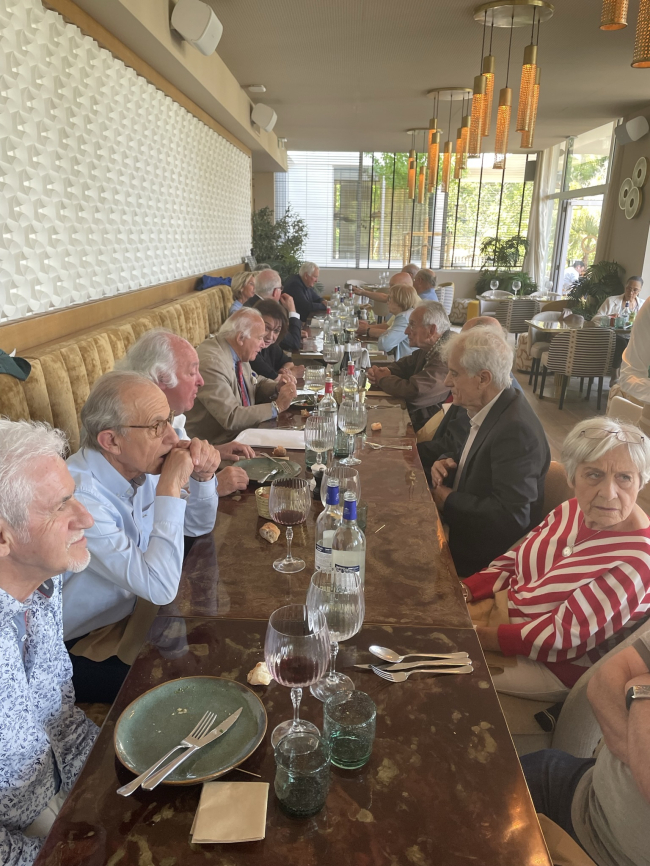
232, 397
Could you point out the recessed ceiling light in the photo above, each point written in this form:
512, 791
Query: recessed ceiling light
256, 88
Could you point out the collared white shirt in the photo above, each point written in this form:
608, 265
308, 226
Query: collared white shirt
474, 423
136, 543
614, 306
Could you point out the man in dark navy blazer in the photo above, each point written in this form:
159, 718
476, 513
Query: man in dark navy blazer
301, 288
489, 489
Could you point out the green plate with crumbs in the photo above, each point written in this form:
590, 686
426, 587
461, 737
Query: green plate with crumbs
257, 468
159, 719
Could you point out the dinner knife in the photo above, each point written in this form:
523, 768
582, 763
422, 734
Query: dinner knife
406, 666
150, 783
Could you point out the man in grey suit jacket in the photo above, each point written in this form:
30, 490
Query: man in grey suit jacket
232, 397
490, 490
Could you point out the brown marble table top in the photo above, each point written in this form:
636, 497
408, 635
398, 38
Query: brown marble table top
410, 577
443, 786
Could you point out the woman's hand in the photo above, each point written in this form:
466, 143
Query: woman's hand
488, 637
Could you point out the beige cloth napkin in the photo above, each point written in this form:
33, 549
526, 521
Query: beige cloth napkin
123, 639
231, 812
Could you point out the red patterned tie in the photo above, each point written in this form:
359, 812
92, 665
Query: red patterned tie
242, 387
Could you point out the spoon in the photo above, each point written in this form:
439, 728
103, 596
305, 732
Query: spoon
389, 655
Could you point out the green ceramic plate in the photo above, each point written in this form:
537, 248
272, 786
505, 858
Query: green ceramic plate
258, 468
160, 718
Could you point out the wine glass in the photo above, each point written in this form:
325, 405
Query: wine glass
320, 434
340, 598
353, 417
355, 351
296, 651
348, 478
516, 285
289, 505
494, 285
314, 379
332, 351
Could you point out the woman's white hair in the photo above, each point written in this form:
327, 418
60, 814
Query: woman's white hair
307, 269
105, 408
153, 356
483, 349
580, 448
21, 442
240, 322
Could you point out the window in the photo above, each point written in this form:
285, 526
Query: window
358, 212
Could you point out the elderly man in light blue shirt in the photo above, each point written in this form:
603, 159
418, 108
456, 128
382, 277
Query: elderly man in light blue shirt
145, 490
44, 737
424, 284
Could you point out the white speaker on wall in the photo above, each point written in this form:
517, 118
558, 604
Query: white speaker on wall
264, 116
197, 24
633, 130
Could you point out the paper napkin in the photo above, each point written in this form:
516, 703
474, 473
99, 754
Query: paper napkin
231, 812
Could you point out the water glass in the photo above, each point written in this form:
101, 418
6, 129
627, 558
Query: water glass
302, 773
320, 434
348, 478
349, 721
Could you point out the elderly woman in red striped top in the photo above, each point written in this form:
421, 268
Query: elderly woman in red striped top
578, 582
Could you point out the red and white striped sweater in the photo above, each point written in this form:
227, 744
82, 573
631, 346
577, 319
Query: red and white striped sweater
562, 608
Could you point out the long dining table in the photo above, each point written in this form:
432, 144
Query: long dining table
443, 786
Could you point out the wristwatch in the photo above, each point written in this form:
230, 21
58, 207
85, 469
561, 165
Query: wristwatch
274, 405
465, 591
637, 693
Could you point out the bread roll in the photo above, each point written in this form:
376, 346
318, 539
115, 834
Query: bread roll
376, 427
270, 532
279, 451
260, 675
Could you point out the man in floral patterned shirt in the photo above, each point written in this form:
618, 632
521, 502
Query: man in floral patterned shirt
44, 738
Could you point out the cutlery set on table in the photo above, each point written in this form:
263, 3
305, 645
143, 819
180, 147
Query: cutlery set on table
398, 670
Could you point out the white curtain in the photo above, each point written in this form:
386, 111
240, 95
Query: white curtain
539, 225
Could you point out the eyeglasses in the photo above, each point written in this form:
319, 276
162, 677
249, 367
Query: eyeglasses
157, 428
597, 433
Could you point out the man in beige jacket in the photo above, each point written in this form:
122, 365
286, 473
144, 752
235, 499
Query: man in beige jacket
232, 397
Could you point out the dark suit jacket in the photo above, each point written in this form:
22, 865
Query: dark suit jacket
269, 361
307, 300
501, 492
292, 340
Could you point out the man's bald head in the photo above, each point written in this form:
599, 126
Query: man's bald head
401, 279
483, 322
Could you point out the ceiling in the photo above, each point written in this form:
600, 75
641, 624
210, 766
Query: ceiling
353, 74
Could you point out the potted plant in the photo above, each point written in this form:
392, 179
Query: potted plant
500, 261
279, 242
597, 283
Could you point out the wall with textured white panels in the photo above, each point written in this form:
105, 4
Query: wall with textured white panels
108, 185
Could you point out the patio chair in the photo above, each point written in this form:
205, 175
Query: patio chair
587, 353
538, 342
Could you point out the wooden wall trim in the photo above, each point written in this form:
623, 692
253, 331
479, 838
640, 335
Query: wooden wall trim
31, 331
90, 27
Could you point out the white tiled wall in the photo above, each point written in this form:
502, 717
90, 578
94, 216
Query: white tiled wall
108, 185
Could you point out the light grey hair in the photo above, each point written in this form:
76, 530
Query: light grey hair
483, 349
427, 276
433, 313
238, 283
21, 442
153, 356
307, 269
578, 448
105, 408
410, 269
266, 282
240, 322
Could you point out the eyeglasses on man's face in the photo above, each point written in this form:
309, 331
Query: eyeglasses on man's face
621, 435
157, 428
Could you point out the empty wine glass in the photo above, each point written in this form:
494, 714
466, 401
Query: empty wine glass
332, 351
353, 418
516, 285
340, 598
320, 434
296, 650
349, 479
289, 505
494, 285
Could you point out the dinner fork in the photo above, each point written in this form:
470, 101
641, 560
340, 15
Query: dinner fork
377, 446
200, 729
402, 676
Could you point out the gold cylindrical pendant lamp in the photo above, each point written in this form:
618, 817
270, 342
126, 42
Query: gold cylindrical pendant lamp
421, 180
434, 153
411, 174
458, 162
641, 57
528, 136
464, 134
446, 167
528, 73
503, 127
614, 15
476, 126
488, 72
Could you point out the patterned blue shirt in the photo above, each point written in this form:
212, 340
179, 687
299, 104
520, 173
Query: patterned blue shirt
44, 738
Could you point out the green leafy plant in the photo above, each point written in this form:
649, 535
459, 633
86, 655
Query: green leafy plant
500, 261
279, 242
597, 283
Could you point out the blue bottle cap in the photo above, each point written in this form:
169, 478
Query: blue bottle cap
350, 508
332, 491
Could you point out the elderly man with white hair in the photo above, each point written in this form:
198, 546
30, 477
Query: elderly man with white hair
44, 737
146, 490
424, 284
232, 397
173, 364
419, 378
268, 287
301, 288
490, 491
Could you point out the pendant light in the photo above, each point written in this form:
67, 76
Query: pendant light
614, 15
464, 130
476, 124
434, 148
641, 58
489, 65
447, 152
411, 169
528, 136
422, 175
528, 76
503, 114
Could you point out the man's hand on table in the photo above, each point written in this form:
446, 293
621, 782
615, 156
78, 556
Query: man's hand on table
286, 394
488, 638
205, 458
440, 471
375, 374
363, 328
234, 450
230, 480
288, 302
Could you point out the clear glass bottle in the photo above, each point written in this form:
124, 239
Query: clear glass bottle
328, 405
625, 315
349, 542
350, 383
328, 522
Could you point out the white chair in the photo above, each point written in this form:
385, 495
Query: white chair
625, 410
538, 342
587, 353
445, 292
519, 311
